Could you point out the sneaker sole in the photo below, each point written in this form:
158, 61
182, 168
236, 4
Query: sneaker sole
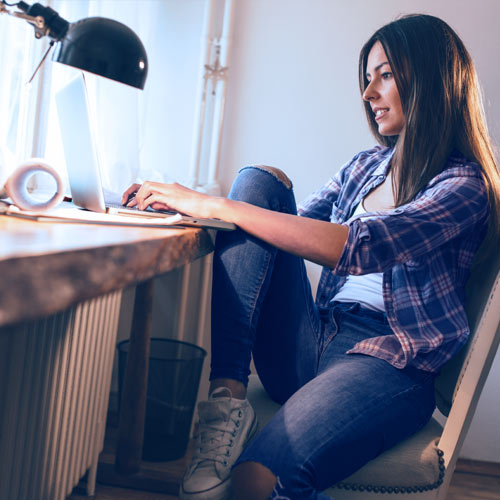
220, 492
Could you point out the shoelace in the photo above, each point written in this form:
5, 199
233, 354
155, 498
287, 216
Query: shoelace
214, 438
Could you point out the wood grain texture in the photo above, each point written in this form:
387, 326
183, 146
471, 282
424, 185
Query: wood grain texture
466, 486
480, 467
477, 485
46, 267
104, 492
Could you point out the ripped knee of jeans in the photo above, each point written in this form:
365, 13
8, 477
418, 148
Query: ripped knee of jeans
278, 491
276, 172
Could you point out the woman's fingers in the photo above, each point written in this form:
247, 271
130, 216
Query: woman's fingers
159, 206
155, 200
126, 195
169, 195
148, 189
172, 197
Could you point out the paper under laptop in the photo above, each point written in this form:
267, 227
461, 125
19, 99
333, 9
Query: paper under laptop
83, 166
67, 212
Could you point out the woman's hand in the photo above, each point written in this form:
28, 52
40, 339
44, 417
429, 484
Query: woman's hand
318, 241
160, 196
129, 195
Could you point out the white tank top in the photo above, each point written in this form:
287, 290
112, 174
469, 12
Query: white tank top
365, 289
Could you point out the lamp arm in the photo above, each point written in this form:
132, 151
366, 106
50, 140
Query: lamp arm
45, 21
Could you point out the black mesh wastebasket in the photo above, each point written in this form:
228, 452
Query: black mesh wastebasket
173, 380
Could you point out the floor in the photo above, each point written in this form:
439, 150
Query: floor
475, 481
471, 481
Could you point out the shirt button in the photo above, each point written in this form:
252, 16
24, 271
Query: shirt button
398, 211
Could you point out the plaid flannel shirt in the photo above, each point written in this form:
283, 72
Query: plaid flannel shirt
424, 250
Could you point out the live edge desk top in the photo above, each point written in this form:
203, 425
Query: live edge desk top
46, 267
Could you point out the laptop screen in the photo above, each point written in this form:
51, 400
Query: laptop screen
79, 145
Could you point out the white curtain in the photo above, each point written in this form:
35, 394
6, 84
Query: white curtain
18, 53
147, 135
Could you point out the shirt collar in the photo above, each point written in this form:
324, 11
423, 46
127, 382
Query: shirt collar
383, 166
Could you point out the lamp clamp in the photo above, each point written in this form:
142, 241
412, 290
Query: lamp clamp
45, 21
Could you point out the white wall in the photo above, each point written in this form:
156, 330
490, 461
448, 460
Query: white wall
293, 102
293, 98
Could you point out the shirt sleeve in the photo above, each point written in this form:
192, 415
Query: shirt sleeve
451, 208
319, 204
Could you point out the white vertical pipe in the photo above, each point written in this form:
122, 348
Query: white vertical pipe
227, 33
199, 120
41, 115
212, 186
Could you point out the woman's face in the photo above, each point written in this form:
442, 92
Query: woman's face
382, 93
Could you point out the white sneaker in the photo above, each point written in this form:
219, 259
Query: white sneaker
226, 426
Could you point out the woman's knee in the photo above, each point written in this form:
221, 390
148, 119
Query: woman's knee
252, 481
276, 172
264, 186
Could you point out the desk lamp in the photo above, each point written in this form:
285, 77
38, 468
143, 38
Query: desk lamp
95, 44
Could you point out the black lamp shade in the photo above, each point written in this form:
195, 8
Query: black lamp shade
104, 47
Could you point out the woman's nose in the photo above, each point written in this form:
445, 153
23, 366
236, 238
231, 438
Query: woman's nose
370, 92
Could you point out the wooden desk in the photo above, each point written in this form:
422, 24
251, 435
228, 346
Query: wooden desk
67, 275
76, 262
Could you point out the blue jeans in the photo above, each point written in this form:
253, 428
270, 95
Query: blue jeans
339, 410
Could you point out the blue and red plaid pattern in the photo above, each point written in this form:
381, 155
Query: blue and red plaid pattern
424, 249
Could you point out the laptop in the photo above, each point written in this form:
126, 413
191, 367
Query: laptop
83, 166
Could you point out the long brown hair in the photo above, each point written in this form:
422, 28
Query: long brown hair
442, 106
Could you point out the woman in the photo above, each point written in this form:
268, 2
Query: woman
396, 231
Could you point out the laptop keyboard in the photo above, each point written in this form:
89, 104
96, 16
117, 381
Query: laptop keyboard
135, 209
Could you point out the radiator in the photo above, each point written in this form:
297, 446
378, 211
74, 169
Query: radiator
55, 375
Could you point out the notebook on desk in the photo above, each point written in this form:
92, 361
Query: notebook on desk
83, 166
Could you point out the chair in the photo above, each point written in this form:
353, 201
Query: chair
422, 466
